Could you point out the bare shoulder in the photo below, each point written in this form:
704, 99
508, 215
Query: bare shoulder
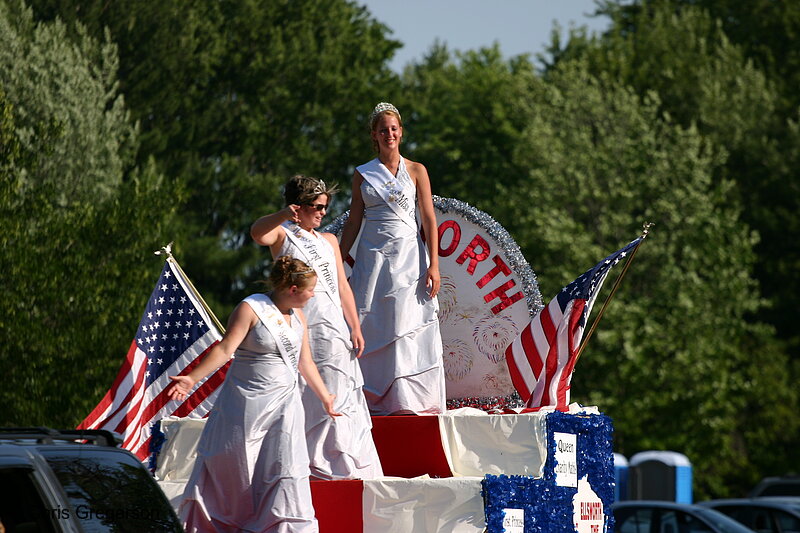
331, 238
416, 170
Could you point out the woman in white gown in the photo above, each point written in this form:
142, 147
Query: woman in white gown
394, 280
251, 472
339, 448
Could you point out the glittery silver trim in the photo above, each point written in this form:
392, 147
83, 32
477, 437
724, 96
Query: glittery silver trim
514, 257
515, 261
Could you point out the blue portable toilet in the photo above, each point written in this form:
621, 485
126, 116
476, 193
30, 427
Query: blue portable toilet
620, 477
660, 475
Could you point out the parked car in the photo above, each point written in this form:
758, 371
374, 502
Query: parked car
788, 485
764, 515
74, 481
651, 516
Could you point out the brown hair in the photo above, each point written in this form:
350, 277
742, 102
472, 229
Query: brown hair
302, 190
288, 271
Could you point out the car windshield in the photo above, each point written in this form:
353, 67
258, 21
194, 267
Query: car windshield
110, 491
722, 522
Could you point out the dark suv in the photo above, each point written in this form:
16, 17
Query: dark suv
77, 481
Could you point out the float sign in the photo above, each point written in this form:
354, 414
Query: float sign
566, 468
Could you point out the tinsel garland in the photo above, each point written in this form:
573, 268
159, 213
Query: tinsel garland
516, 261
490, 404
548, 507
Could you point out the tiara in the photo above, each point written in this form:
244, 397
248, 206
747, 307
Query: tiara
381, 107
302, 272
320, 188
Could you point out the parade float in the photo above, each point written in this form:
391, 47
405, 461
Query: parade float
510, 454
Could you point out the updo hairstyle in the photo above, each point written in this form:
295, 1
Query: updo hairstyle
288, 271
303, 190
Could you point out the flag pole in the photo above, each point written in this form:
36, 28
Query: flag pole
167, 250
645, 231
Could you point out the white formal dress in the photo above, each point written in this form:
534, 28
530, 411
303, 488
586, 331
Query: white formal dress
341, 447
251, 472
402, 361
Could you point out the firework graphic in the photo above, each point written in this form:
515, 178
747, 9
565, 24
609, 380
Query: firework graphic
492, 334
457, 359
447, 298
493, 383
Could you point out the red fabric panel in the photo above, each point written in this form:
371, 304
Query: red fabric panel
337, 505
410, 446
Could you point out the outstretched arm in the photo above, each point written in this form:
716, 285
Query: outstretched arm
240, 322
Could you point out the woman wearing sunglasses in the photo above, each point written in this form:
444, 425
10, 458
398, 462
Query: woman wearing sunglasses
340, 448
395, 279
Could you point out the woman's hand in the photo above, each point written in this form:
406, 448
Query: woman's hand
180, 387
290, 212
358, 342
327, 403
433, 281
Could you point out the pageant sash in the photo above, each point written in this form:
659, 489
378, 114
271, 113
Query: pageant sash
312, 254
390, 188
273, 320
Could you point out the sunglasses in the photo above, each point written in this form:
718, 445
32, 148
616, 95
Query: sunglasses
318, 207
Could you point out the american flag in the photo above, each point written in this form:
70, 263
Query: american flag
542, 357
173, 335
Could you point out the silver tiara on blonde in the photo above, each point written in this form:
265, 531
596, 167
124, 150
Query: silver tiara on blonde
381, 107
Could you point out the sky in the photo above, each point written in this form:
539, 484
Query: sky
519, 26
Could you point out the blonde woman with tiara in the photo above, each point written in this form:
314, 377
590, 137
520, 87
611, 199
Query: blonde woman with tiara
339, 448
395, 279
251, 471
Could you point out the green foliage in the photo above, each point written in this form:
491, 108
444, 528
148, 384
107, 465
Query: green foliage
234, 97
67, 109
77, 222
713, 65
671, 360
463, 119
730, 69
681, 115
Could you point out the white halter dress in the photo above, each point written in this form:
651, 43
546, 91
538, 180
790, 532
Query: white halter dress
402, 362
341, 447
251, 472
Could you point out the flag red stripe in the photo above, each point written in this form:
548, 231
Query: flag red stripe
143, 450
516, 377
161, 399
529, 348
108, 399
566, 373
200, 395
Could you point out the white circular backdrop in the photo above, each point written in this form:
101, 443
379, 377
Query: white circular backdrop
488, 294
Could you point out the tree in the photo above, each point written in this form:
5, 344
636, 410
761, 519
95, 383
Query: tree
88, 144
75, 234
727, 68
673, 358
462, 119
234, 97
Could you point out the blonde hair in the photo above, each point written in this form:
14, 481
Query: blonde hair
381, 110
